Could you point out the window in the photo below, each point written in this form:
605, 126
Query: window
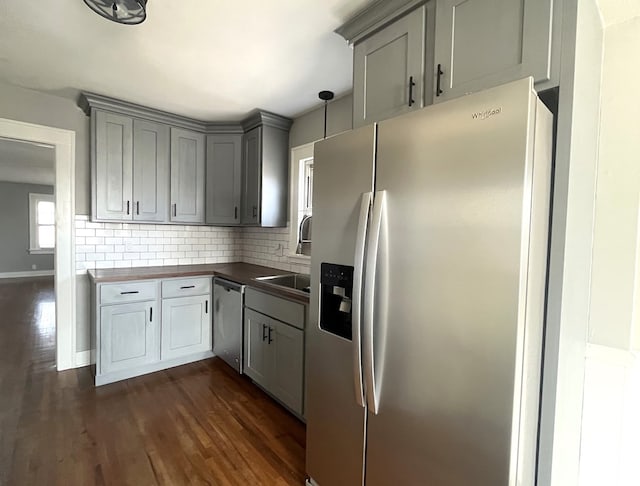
42, 234
301, 197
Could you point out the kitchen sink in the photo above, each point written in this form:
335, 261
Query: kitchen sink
296, 281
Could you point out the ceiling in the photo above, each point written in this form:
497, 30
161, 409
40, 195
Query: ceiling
207, 59
26, 162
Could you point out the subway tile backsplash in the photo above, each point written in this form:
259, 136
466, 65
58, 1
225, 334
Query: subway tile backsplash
120, 245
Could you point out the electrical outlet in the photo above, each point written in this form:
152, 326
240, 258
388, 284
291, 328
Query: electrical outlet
34, 267
128, 246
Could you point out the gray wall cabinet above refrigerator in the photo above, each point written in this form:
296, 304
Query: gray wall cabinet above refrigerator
150, 166
411, 53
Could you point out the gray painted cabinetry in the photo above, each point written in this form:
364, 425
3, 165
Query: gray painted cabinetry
113, 166
131, 162
388, 71
274, 346
150, 171
156, 167
133, 334
410, 53
481, 44
265, 170
187, 176
224, 179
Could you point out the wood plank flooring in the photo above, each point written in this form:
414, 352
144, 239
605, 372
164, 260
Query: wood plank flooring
195, 424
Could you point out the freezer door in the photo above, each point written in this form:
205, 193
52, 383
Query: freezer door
454, 199
343, 172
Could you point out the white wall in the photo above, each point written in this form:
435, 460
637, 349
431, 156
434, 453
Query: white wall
611, 417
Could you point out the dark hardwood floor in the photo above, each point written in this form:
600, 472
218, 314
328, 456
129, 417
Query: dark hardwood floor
195, 424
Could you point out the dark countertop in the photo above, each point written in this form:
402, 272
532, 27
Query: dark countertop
243, 273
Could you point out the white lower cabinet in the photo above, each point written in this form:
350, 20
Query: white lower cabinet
134, 334
274, 351
186, 326
128, 336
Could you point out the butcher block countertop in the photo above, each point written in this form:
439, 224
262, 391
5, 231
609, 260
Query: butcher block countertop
243, 273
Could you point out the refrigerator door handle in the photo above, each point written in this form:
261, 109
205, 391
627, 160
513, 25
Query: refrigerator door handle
358, 273
373, 246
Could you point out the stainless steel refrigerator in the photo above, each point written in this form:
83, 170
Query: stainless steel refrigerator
428, 276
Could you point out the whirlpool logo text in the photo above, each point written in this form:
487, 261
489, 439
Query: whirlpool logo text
483, 115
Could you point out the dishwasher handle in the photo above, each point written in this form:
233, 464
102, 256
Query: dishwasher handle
228, 285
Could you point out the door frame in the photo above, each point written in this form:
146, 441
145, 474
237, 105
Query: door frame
64, 144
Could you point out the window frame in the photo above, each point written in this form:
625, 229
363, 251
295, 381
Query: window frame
34, 246
297, 203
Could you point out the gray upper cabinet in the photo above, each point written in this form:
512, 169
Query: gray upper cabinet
224, 179
187, 176
130, 176
265, 170
112, 166
389, 70
150, 171
251, 167
480, 44
157, 167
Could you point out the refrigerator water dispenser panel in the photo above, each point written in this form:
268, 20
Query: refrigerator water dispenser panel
336, 291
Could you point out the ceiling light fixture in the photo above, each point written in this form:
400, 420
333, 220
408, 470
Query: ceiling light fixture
129, 12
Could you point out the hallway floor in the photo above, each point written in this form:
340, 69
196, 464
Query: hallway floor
195, 424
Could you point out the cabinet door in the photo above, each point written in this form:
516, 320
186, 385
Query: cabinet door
388, 71
257, 353
224, 182
186, 326
187, 176
150, 171
251, 171
112, 183
481, 44
288, 365
128, 336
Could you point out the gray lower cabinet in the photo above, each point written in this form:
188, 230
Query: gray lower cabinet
223, 179
130, 177
128, 336
480, 44
257, 354
135, 332
186, 326
187, 176
112, 174
389, 70
273, 348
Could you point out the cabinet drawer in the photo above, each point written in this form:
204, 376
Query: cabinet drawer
128, 292
182, 287
270, 305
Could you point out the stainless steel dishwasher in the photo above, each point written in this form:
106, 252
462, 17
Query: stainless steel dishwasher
228, 307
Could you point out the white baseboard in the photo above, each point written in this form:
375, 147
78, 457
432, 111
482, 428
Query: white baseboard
83, 358
31, 273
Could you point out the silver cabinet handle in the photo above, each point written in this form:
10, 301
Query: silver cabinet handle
373, 246
255, 211
356, 316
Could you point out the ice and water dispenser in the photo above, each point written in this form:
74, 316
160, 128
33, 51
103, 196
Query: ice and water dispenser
336, 291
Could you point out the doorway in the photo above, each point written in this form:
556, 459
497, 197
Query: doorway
62, 144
